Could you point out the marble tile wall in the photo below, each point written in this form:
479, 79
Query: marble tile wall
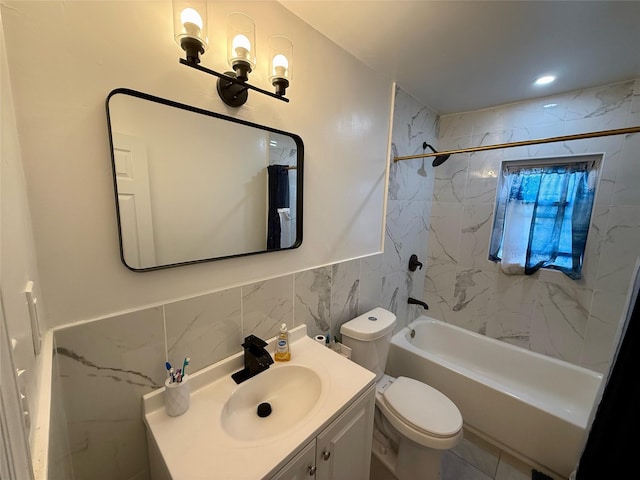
548, 313
284, 151
105, 366
411, 184
59, 462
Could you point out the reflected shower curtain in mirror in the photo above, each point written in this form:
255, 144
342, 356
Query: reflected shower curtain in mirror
278, 199
542, 218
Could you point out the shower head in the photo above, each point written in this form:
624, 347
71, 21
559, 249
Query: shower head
440, 159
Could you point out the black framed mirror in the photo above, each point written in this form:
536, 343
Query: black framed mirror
195, 186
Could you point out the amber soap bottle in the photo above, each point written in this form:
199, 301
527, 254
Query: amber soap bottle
283, 353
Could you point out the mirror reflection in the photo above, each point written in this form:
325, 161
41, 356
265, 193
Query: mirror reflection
194, 186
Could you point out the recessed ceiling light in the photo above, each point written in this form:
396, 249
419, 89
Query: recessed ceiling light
545, 80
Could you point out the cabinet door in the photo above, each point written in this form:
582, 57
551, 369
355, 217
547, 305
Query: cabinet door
343, 450
301, 467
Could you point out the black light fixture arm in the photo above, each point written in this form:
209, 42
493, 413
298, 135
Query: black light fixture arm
232, 80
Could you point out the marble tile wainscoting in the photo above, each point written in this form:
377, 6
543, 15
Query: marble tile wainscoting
106, 365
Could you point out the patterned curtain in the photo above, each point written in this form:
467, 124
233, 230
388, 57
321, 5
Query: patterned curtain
542, 218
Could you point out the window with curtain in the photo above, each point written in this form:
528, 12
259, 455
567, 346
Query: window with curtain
542, 216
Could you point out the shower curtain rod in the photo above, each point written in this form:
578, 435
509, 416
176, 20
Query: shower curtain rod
578, 136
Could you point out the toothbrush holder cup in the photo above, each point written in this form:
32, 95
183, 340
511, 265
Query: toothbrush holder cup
177, 396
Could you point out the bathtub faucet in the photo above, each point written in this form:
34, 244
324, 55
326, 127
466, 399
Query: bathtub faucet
414, 263
413, 301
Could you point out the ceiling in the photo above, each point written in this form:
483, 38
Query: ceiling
457, 56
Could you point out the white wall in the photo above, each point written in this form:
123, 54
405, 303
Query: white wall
17, 267
65, 57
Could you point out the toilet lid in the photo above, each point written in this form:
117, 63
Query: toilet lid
423, 407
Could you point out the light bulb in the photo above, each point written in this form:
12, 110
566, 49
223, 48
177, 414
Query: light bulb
241, 46
191, 21
545, 80
280, 66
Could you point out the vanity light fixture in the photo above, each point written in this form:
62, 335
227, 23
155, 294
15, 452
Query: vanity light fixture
189, 23
280, 60
190, 28
241, 54
241, 44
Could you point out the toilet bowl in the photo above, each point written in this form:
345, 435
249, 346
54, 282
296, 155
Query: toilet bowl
414, 423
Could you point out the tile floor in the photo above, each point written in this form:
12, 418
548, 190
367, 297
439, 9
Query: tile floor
472, 459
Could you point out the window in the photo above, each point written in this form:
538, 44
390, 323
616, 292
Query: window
542, 216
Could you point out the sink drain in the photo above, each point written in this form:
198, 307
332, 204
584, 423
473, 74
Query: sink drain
264, 409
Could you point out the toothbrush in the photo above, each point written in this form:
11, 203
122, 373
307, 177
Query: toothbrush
168, 365
184, 365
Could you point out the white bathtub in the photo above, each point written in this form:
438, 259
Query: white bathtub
530, 405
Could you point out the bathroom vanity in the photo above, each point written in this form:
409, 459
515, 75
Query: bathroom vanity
341, 451
320, 425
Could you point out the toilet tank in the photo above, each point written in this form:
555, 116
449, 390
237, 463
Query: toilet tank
369, 338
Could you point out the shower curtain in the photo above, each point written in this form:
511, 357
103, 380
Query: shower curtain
610, 450
278, 199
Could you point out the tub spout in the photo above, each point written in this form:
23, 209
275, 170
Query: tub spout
413, 301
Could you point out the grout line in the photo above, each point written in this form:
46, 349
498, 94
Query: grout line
495, 473
293, 300
242, 332
166, 343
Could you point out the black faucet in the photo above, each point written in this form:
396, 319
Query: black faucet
256, 359
413, 301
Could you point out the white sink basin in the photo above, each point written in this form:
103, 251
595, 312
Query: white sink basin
292, 391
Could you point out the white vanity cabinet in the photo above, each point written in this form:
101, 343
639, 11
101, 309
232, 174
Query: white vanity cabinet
342, 451
302, 466
320, 427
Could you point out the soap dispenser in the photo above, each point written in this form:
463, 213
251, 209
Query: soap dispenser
282, 354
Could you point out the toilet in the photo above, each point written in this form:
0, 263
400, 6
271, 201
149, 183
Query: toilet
414, 423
